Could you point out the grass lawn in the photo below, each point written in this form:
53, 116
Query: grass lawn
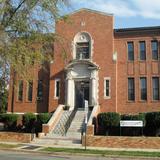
7, 146
103, 152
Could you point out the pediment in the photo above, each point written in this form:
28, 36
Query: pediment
87, 63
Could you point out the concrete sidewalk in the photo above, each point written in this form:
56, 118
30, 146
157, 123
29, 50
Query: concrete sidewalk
36, 147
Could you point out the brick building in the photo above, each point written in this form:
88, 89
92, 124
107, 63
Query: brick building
117, 69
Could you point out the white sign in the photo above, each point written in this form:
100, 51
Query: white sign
131, 123
86, 105
86, 111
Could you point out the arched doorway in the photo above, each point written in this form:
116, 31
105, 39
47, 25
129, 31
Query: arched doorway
81, 83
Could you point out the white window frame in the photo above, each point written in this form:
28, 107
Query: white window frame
109, 79
78, 39
55, 89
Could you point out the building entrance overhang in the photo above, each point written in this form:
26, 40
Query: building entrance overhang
90, 64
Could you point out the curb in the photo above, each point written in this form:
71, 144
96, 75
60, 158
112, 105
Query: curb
76, 154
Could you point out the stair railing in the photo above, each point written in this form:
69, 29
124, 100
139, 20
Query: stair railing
69, 121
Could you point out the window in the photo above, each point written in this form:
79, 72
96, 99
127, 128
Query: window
131, 89
142, 49
29, 90
155, 88
20, 90
107, 87
130, 51
154, 46
40, 90
57, 88
82, 46
82, 50
143, 88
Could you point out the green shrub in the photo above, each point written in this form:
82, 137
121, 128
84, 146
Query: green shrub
107, 122
10, 121
152, 123
110, 119
29, 121
2, 117
140, 117
43, 118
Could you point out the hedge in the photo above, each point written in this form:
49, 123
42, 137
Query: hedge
29, 122
152, 123
10, 121
42, 118
107, 122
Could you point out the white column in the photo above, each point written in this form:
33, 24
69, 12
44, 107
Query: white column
72, 98
70, 93
93, 88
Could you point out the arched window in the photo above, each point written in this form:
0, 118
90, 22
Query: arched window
82, 43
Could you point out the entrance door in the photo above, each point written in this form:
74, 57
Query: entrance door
82, 93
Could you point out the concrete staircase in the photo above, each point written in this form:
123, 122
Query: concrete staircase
58, 137
77, 125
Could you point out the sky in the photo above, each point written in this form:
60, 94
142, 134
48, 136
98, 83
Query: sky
127, 13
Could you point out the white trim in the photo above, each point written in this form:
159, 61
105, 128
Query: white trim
88, 39
107, 78
55, 88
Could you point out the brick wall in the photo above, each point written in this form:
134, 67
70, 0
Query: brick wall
37, 73
105, 43
136, 69
15, 137
122, 142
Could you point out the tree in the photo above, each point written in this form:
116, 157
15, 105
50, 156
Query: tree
25, 35
25, 27
3, 96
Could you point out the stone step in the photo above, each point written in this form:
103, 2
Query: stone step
76, 125
62, 142
75, 130
73, 134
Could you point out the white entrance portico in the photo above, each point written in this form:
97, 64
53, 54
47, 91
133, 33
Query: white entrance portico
81, 83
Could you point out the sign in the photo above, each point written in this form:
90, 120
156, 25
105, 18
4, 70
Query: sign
86, 105
86, 111
131, 123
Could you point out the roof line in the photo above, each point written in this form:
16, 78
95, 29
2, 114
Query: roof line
90, 10
137, 28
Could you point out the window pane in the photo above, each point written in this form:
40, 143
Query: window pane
155, 88
154, 45
20, 90
40, 90
107, 88
82, 50
57, 88
143, 86
30, 90
131, 94
130, 51
142, 48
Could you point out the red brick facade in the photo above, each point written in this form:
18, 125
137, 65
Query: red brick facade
105, 42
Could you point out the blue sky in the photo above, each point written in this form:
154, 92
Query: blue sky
127, 13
